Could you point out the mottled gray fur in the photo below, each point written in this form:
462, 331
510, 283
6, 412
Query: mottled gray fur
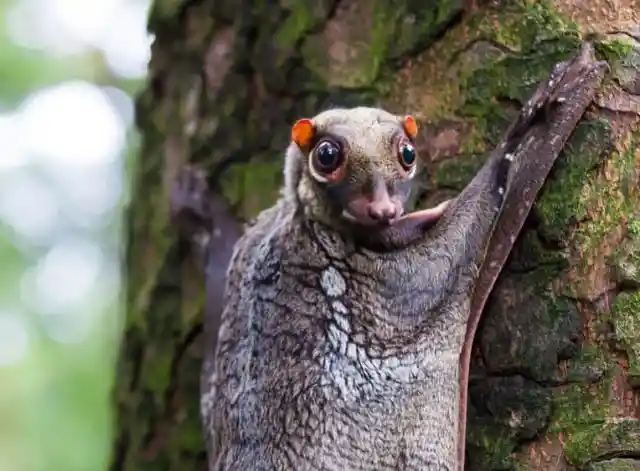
333, 353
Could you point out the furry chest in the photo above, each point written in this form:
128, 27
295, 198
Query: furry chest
363, 366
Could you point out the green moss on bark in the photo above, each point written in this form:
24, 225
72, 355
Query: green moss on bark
523, 24
364, 41
565, 200
614, 51
301, 19
621, 437
625, 261
589, 365
456, 172
616, 464
615, 199
578, 407
535, 39
490, 445
251, 188
626, 322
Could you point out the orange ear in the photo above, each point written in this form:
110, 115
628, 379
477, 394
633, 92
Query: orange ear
302, 132
410, 126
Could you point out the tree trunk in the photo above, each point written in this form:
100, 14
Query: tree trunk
558, 352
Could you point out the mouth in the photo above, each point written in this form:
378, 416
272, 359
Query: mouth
409, 222
349, 216
401, 232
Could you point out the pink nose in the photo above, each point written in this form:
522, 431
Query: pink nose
382, 211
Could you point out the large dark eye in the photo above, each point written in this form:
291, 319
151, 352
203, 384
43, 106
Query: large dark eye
327, 156
406, 154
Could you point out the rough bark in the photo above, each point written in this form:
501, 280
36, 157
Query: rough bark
558, 352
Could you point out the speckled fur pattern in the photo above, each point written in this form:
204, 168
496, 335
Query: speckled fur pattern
332, 355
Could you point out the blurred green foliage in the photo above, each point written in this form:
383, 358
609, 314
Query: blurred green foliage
56, 400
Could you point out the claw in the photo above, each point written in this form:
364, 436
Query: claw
565, 77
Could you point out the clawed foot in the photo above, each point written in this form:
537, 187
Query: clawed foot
190, 200
565, 77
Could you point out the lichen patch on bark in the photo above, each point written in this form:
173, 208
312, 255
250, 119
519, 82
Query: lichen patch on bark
602, 16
